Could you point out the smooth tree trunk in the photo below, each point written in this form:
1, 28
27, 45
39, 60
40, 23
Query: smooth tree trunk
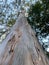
21, 46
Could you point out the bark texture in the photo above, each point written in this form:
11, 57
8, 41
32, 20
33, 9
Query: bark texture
22, 46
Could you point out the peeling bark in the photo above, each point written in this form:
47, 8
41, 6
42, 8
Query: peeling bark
22, 46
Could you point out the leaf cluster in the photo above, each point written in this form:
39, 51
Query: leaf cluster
38, 16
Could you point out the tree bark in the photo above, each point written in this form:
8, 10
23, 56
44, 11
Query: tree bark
21, 46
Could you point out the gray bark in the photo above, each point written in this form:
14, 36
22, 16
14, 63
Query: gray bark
22, 46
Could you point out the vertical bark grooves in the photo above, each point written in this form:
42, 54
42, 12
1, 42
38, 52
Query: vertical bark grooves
22, 46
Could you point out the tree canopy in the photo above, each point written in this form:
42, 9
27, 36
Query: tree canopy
39, 16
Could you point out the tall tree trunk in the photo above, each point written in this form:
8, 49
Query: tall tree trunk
21, 46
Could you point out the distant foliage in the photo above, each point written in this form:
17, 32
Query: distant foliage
11, 22
39, 16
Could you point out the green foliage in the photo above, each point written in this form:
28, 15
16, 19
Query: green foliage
11, 22
39, 16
